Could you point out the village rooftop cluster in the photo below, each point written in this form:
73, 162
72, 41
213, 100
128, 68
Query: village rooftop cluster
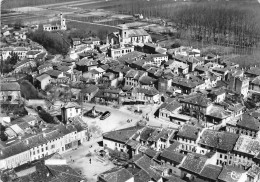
210, 105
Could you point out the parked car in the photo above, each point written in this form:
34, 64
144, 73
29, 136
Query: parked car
105, 115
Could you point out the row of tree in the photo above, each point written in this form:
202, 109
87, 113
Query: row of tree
227, 22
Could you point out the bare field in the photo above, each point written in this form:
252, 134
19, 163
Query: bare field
90, 27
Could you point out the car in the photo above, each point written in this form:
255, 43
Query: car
105, 115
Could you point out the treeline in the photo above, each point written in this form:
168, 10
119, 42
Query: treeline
6, 4
228, 22
53, 42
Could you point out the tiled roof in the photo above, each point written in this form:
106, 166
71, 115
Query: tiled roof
249, 122
10, 86
117, 174
43, 77
256, 80
90, 89
220, 140
145, 163
171, 106
197, 99
13, 149
35, 140
194, 163
147, 80
231, 174
248, 145
64, 173
142, 176
254, 71
33, 172
148, 92
254, 171
122, 135
189, 131
131, 74
146, 133
72, 104
211, 172
54, 73
172, 156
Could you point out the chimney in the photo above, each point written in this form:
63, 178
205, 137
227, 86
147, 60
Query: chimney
19, 137
1, 152
27, 142
44, 134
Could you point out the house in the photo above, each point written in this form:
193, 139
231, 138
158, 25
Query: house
157, 59
91, 41
222, 142
146, 95
42, 81
94, 74
55, 74
151, 48
132, 78
128, 35
10, 91
196, 105
253, 174
23, 65
248, 125
187, 136
239, 85
217, 115
252, 72
20, 51
187, 86
32, 54
14, 155
89, 92
75, 42
210, 173
117, 51
109, 95
179, 68
116, 140
146, 82
193, 164
117, 174
69, 110
86, 64
154, 170
159, 139
169, 109
218, 95
245, 150
44, 68
172, 160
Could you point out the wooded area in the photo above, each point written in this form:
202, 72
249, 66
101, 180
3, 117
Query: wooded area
226, 22
51, 41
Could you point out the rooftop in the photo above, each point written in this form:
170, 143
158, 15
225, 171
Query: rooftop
189, 131
10, 86
194, 163
220, 140
122, 135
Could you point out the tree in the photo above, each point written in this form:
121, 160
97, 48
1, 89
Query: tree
14, 58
